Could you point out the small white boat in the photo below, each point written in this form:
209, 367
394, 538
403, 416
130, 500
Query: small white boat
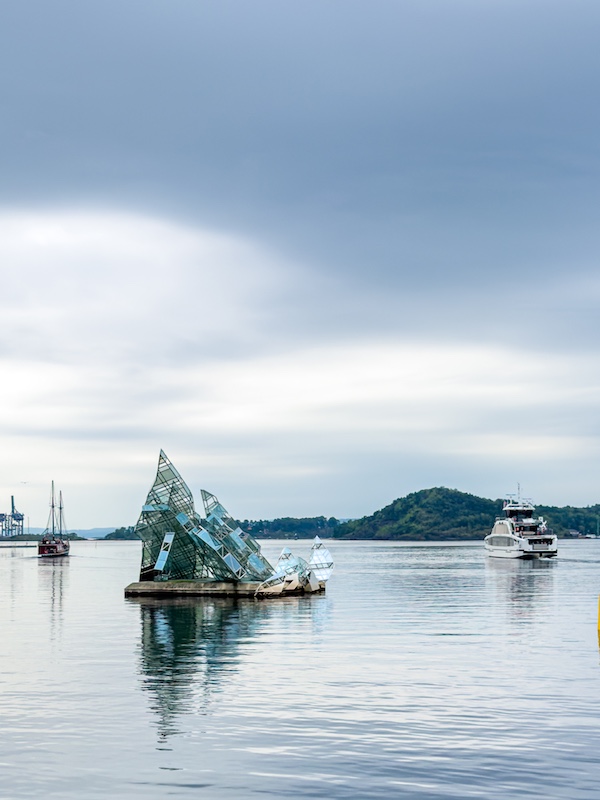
518, 534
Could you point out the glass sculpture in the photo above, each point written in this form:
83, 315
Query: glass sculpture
179, 544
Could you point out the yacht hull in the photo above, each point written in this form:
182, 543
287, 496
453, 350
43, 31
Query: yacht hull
496, 553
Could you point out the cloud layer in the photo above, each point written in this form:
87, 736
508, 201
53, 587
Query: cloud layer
322, 254
123, 334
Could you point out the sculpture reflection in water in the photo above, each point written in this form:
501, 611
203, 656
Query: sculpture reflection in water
527, 584
189, 647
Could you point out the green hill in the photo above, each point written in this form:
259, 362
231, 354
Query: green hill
439, 514
431, 514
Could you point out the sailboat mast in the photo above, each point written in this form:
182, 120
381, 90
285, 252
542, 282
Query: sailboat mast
52, 510
61, 523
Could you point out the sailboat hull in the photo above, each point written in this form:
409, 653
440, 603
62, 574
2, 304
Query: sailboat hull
53, 550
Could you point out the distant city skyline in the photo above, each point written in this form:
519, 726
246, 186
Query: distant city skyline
323, 255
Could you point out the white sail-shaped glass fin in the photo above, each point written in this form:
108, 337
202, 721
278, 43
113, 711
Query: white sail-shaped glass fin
320, 561
293, 573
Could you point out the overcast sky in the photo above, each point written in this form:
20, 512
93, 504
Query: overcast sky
323, 253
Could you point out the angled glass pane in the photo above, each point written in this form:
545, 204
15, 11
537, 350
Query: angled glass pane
213, 548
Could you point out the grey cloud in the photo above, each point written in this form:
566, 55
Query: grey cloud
403, 142
418, 170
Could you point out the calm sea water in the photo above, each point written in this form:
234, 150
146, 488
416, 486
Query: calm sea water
426, 671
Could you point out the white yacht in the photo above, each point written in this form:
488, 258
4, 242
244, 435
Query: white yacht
518, 534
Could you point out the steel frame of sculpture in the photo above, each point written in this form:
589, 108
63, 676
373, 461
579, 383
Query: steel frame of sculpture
180, 545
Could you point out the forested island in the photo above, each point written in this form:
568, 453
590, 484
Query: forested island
441, 514
437, 514
291, 527
122, 533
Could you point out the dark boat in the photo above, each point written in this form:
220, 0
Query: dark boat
53, 543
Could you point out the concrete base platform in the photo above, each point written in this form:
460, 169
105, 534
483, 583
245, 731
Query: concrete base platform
205, 589
190, 589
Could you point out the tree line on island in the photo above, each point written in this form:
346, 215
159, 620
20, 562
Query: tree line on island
437, 514
284, 528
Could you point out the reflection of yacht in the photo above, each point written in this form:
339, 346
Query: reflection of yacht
524, 587
519, 534
53, 544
